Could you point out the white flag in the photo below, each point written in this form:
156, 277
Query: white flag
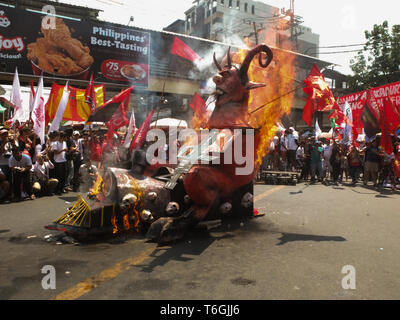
38, 116
38, 95
318, 130
55, 124
131, 130
20, 113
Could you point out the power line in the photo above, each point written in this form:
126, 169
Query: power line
339, 52
344, 46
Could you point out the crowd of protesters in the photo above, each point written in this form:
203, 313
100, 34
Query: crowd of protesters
67, 161
329, 161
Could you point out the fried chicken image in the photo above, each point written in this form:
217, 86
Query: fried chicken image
58, 53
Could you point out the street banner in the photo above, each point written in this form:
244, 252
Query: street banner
74, 49
358, 100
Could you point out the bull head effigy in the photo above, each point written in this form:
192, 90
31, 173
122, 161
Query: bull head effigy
232, 84
210, 185
232, 89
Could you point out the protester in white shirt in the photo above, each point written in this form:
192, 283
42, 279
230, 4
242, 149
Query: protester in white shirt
59, 148
43, 184
291, 145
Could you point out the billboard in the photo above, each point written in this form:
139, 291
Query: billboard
73, 49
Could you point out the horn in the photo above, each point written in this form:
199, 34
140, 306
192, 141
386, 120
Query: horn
216, 63
249, 57
229, 58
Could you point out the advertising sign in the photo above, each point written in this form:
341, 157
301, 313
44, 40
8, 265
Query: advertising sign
73, 49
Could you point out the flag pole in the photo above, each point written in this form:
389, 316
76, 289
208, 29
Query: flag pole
159, 108
278, 98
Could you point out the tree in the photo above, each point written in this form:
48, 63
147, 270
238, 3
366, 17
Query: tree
379, 62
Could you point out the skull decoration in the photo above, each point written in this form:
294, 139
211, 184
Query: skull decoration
128, 201
225, 208
247, 200
172, 208
146, 216
152, 196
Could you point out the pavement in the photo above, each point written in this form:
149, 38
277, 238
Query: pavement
298, 250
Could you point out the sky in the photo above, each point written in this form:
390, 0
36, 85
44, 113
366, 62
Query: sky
338, 22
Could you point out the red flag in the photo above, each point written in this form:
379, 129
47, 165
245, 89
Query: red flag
198, 104
105, 112
386, 140
181, 49
392, 114
90, 96
140, 136
320, 96
119, 118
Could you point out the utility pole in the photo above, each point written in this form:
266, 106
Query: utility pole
255, 32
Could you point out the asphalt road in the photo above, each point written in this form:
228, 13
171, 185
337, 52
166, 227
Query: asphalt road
295, 251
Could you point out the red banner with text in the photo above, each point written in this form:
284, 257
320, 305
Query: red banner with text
357, 101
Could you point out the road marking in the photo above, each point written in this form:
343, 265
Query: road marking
108, 274
267, 193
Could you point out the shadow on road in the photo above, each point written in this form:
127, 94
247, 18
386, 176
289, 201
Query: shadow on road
300, 191
290, 237
182, 250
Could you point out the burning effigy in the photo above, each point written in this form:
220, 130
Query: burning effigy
213, 175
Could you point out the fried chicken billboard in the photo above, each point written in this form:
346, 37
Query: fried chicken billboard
73, 49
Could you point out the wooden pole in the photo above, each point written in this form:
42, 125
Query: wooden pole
278, 98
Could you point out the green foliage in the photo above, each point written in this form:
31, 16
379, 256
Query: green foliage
379, 62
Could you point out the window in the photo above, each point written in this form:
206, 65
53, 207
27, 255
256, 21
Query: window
245, 7
230, 3
252, 10
222, 2
238, 5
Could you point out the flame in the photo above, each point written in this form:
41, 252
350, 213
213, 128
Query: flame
279, 79
97, 187
137, 208
114, 223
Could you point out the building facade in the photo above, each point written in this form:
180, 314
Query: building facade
230, 21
